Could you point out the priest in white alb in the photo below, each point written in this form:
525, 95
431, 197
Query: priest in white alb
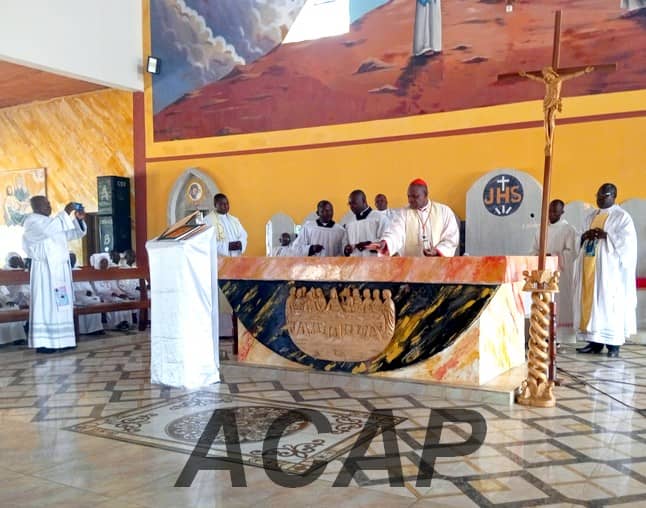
424, 228
366, 227
561, 243
232, 242
321, 237
51, 313
605, 293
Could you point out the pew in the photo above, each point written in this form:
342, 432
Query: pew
13, 277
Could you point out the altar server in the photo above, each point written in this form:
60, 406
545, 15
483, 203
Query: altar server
561, 242
381, 207
51, 316
284, 249
364, 228
84, 296
424, 228
18, 293
605, 295
108, 291
322, 237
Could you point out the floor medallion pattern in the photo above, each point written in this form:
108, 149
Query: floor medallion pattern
176, 424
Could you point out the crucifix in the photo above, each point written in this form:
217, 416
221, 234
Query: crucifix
553, 78
537, 389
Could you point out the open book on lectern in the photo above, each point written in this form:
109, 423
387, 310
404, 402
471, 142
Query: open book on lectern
184, 228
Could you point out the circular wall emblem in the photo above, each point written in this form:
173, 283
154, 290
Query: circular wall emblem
503, 195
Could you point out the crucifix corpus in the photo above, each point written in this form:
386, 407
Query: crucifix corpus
537, 389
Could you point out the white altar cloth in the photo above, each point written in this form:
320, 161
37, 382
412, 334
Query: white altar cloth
184, 311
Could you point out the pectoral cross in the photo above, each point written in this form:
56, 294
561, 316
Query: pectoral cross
553, 78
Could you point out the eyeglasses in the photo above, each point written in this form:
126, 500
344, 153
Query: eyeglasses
603, 195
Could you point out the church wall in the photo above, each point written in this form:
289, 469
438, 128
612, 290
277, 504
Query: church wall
76, 138
587, 153
598, 139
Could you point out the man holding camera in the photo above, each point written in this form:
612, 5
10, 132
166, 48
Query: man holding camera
51, 314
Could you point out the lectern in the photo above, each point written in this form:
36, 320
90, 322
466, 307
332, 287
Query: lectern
184, 310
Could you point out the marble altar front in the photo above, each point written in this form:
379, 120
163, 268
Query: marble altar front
450, 320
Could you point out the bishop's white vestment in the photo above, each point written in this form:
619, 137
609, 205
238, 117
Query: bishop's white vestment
412, 231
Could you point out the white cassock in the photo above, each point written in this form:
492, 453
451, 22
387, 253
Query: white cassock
605, 295
428, 27
282, 250
388, 213
105, 289
18, 293
129, 286
561, 242
412, 231
9, 332
51, 316
330, 236
227, 229
88, 323
369, 226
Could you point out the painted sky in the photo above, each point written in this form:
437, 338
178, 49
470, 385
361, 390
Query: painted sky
201, 42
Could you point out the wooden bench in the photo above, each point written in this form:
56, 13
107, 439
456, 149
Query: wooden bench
13, 277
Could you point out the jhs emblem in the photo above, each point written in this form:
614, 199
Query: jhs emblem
503, 195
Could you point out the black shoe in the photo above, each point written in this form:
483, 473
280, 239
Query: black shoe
613, 351
20, 342
592, 347
46, 350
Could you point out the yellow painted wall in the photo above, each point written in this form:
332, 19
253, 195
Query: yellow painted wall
259, 185
77, 138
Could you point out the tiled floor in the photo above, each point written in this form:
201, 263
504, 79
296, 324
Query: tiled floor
85, 428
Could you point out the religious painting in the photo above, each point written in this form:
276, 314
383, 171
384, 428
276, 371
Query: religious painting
18, 186
192, 192
244, 66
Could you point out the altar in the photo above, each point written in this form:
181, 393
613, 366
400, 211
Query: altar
453, 320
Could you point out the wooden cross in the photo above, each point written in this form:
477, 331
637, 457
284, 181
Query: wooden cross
553, 78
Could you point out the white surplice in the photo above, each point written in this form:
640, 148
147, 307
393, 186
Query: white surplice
314, 233
388, 213
614, 301
51, 316
368, 227
428, 27
561, 242
227, 229
412, 231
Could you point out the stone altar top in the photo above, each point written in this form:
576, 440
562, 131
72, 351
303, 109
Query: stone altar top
454, 270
